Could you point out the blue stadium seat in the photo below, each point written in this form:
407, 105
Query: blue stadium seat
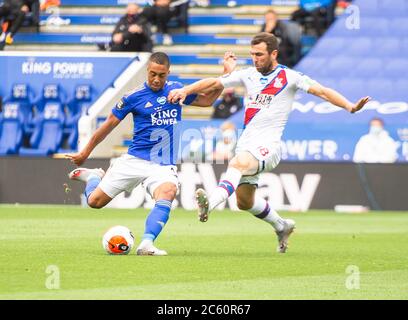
48, 133
368, 67
11, 129
404, 45
78, 106
329, 46
401, 90
380, 89
367, 8
396, 67
353, 88
393, 8
23, 97
311, 66
339, 66
359, 47
374, 27
399, 27
51, 93
386, 47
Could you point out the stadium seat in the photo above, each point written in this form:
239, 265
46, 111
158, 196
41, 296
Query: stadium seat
374, 27
393, 8
77, 107
404, 45
386, 47
329, 46
23, 97
399, 27
367, 8
368, 67
339, 66
395, 67
352, 88
359, 47
51, 93
48, 133
380, 89
401, 90
11, 129
311, 66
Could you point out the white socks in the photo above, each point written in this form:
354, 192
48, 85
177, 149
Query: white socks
262, 210
225, 188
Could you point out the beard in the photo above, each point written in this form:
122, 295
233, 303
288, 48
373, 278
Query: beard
264, 70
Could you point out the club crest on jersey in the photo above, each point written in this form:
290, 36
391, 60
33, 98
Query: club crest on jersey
278, 83
161, 100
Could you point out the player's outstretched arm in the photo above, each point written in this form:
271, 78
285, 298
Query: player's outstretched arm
202, 86
337, 98
100, 134
207, 98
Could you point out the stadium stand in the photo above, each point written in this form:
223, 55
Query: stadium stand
373, 56
345, 59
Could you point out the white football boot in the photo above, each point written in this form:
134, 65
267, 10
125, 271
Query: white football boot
283, 236
203, 204
150, 250
82, 174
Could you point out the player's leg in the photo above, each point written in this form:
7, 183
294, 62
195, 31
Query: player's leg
95, 197
244, 163
163, 195
162, 184
247, 200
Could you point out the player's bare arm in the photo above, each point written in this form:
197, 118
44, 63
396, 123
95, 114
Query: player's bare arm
100, 134
201, 86
337, 98
208, 89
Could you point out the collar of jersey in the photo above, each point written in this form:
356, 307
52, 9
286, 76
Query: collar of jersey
277, 67
148, 88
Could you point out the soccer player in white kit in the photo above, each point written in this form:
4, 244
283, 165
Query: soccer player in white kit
270, 91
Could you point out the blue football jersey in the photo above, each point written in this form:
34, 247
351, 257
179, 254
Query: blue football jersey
156, 132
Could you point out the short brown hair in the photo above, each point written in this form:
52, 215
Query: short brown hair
270, 40
160, 58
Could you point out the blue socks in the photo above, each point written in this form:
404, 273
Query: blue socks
91, 185
157, 219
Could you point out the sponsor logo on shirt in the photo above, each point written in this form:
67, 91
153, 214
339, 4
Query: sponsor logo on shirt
148, 104
261, 100
164, 117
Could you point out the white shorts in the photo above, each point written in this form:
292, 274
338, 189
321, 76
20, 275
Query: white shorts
268, 156
127, 172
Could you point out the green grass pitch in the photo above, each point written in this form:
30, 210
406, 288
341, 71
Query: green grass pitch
232, 256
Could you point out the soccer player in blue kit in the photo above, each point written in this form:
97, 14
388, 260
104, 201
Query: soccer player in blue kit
153, 153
